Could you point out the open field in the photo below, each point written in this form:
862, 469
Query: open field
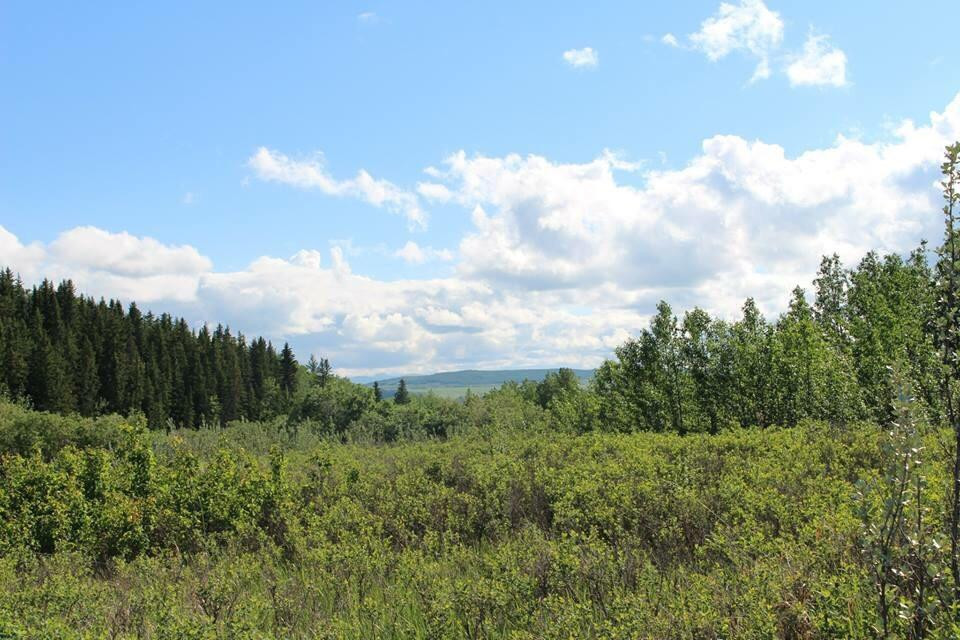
257, 531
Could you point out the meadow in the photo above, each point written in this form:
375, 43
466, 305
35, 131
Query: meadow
508, 530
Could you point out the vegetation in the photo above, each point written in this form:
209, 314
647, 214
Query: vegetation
455, 384
509, 530
68, 353
796, 478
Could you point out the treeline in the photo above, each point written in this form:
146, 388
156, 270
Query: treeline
68, 353
831, 359
834, 359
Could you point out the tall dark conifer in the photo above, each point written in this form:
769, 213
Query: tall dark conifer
402, 396
288, 370
66, 353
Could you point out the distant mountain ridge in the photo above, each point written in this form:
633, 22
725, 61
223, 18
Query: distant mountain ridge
454, 384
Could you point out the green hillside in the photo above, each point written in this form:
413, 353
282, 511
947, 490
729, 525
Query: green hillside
454, 384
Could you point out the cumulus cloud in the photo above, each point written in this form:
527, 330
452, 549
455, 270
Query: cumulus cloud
819, 64
563, 260
749, 27
415, 254
742, 218
114, 264
310, 173
581, 58
753, 29
434, 192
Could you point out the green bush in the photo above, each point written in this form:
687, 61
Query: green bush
513, 531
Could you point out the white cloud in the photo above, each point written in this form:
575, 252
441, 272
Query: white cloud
564, 260
749, 27
367, 17
742, 218
113, 264
433, 191
753, 29
188, 198
274, 166
415, 254
820, 63
585, 57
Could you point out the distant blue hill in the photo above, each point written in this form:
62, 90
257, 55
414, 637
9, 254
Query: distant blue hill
454, 384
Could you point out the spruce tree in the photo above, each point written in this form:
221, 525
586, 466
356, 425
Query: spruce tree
86, 382
288, 370
402, 396
68, 353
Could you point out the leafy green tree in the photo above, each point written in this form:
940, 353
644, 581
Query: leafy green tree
556, 384
811, 378
617, 403
707, 356
948, 339
890, 307
751, 354
332, 407
830, 304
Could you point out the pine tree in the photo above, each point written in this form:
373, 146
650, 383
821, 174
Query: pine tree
324, 371
47, 382
288, 370
377, 393
86, 382
15, 358
402, 396
66, 352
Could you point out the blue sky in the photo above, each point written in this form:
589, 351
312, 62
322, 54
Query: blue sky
160, 150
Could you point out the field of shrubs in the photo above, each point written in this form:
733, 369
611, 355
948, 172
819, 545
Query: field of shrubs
508, 529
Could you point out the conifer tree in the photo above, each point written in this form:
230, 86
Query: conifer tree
66, 352
86, 382
288, 370
402, 396
324, 371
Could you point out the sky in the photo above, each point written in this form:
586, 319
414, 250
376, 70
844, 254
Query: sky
416, 187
